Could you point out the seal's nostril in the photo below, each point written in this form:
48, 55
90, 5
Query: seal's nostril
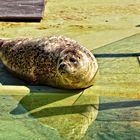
62, 66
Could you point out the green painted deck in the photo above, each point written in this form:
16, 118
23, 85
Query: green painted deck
118, 118
108, 110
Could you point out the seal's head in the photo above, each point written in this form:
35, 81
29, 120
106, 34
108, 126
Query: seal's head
76, 68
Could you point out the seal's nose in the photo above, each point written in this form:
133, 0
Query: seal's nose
62, 66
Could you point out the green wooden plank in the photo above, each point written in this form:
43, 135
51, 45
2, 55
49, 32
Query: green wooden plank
119, 61
118, 119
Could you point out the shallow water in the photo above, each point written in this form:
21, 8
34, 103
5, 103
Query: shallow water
99, 26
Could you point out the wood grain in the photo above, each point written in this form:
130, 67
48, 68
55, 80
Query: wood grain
21, 10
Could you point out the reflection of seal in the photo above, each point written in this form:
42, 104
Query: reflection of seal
56, 61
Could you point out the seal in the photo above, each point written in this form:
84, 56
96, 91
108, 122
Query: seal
55, 61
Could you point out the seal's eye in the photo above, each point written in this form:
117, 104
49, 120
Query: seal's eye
60, 61
73, 60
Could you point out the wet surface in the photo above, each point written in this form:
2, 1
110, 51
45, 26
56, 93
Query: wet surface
108, 28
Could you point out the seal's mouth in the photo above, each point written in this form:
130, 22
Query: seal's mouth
62, 72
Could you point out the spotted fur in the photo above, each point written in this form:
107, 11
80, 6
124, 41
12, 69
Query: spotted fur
36, 60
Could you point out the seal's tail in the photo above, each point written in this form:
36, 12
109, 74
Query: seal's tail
1, 42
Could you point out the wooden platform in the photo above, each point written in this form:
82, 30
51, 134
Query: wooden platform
21, 10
